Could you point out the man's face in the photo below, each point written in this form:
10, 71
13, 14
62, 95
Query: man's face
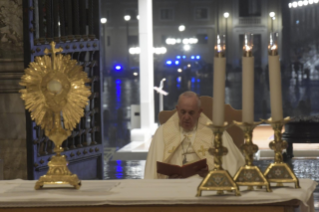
188, 112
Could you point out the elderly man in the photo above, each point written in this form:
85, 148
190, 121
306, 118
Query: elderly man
185, 138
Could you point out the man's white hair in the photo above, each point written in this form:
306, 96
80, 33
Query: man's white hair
190, 94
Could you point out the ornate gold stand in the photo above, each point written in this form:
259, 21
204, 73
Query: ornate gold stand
250, 175
58, 172
56, 86
218, 179
279, 172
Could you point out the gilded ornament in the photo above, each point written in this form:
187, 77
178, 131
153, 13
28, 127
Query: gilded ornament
279, 172
250, 175
55, 93
218, 179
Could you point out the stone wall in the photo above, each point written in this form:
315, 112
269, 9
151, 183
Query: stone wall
12, 122
12, 112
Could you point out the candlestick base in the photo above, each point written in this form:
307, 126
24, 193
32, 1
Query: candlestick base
218, 179
250, 175
279, 172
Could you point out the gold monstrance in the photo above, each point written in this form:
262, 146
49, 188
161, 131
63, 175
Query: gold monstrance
55, 86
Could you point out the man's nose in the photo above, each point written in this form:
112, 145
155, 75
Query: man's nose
186, 116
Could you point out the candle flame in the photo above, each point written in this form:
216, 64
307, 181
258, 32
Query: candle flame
274, 47
248, 42
220, 45
218, 40
247, 48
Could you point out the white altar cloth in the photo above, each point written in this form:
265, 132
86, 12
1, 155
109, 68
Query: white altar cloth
21, 193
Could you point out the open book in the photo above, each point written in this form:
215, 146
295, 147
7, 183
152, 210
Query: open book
184, 171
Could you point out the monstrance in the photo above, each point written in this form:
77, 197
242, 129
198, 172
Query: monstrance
54, 89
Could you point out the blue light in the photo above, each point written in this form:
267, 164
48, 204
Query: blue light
118, 102
193, 79
119, 176
169, 62
198, 80
178, 57
118, 67
179, 80
192, 57
176, 62
119, 170
197, 57
184, 57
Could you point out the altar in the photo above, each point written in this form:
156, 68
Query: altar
149, 195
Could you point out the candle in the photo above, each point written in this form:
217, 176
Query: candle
219, 83
248, 81
275, 81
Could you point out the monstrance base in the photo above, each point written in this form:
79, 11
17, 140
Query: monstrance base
58, 174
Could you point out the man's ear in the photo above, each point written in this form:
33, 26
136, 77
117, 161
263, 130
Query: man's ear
200, 110
176, 107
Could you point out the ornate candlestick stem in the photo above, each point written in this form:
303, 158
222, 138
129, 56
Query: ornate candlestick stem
252, 148
218, 151
250, 175
218, 179
279, 172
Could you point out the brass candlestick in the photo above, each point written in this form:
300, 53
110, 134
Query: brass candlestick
218, 179
56, 87
279, 172
250, 175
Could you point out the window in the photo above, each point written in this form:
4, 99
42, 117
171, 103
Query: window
201, 13
108, 41
131, 12
202, 38
133, 40
249, 8
107, 15
166, 14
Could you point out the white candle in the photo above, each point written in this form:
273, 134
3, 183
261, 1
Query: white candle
248, 89
219, 91
275, 87
274, 79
